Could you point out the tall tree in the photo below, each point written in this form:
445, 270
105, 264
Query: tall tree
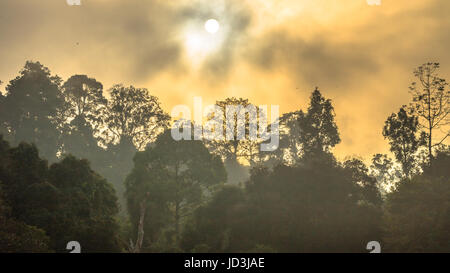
319, 132
235, 116
85, 97
236, 146
431, 103
134, 116
133, 119
87, 104
304, 134
184, 171
401, 131
32, 109
289, 151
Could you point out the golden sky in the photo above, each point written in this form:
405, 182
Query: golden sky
273, 52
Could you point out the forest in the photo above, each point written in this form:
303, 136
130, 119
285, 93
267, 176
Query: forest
99, 166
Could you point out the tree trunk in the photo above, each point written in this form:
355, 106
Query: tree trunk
140, 236
430, 123
429, 145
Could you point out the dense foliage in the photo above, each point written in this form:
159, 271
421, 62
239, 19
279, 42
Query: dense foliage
103, 169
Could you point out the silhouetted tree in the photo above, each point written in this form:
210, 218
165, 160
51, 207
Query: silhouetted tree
385, 171
15, 235
401, 130
431, 103
215, 226
316, 206
231, 149
417, 214
289, 151
299, 198
133, 119
32, 109
133, 116
237, 147
367, 184
87, 105
68, 200
88, 204
184, 171
319, 131
306, 134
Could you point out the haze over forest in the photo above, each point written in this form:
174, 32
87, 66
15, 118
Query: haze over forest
347, 48
87, 153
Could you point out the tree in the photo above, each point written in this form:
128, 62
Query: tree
133, 116
114, 164
238, 118
236, 146
385, 171
305, 134
86, 105
18, 237
177, 173
68, 200
145, 195
431, 103
401, 130
85, 97
316, 206
289, 151
319, 132
89, 205
32, 109
417, 213
15, 235
367, 184
215, 226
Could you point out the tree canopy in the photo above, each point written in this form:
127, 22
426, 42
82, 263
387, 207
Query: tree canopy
78, 163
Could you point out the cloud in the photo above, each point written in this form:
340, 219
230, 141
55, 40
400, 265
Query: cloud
275, 51
315, 62
351, 55
235, 18
131, 38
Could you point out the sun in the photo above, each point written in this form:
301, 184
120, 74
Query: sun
212, 26
203, 39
